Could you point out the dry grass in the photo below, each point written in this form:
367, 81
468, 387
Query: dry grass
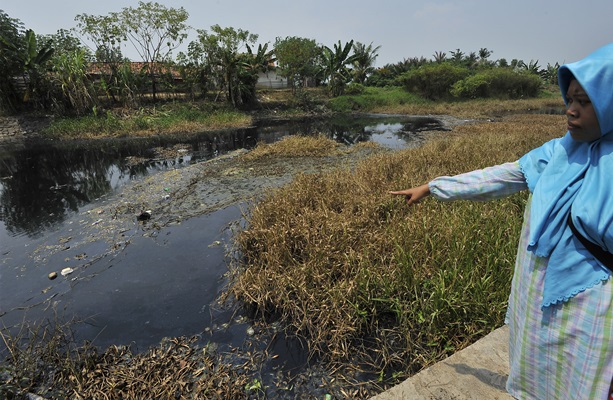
295, 146
177, 368
481, 108
371, 282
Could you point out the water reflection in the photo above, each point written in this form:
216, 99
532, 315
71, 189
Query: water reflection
43, 183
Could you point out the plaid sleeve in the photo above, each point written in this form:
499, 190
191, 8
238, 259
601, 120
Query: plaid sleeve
484, 184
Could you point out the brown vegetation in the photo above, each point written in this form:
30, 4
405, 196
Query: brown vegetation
371, 282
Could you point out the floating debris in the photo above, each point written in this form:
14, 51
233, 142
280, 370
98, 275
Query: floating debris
144, 216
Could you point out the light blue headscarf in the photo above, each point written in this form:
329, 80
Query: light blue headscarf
565, 177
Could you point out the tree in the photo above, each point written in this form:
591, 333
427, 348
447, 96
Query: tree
105, 33
550, 73
115, 79
484, 54
11, 43
364, 60
153, 30
220, 51
252, 65
471, 59
532, 67
297, 58
502, 63
334, 66
31, 60
439, 56
64, 42
457, 56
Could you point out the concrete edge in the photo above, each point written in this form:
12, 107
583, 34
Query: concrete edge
479, 371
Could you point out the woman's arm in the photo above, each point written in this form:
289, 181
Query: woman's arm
480, 185
414, 195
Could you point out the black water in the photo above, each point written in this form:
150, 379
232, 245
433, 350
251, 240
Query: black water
156, 287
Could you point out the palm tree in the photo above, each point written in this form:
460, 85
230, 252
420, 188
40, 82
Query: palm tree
363, 64
484, 54
457, 56
471, 59
439, 56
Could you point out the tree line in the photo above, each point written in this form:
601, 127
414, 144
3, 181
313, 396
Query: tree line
55, 73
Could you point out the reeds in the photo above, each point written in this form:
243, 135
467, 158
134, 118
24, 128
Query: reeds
370, 281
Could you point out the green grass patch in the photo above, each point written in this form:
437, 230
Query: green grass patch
170, 118
396, 100
373, 98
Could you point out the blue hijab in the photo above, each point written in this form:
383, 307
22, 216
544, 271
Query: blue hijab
566, 176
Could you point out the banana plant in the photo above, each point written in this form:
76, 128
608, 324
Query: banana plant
31, 59
32, 56
252, 64
334, 66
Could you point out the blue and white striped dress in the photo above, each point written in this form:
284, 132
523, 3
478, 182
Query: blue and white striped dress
564, 351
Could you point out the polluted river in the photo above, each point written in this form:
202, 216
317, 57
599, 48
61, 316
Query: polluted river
128, 240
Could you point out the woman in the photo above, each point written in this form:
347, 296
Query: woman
560, 311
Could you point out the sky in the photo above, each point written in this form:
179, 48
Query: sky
528, 30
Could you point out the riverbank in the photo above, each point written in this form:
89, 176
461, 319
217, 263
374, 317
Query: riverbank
183, 118
480, 371
21, 126
177, 196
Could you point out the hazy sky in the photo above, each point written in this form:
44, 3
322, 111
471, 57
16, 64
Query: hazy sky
547, 31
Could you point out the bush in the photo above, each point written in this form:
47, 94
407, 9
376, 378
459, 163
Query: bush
433, 81
498, 82
354, 89
472, 87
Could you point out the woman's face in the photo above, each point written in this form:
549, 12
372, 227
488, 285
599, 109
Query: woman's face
582, 121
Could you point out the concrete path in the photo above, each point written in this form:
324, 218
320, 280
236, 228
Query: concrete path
478, 372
